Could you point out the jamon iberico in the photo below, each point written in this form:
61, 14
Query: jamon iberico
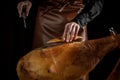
68, 61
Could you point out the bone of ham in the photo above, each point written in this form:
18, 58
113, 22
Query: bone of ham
69, 61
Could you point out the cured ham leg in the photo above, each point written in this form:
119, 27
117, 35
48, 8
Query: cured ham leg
69, 61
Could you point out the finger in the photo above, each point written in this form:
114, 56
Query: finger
65, 32
68, 35
67, 39
72, 35
19, 7
28, 8
76, 31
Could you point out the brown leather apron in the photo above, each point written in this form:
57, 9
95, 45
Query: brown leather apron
51, 19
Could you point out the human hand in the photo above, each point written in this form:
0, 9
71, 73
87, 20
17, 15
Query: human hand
71, 31
21, 5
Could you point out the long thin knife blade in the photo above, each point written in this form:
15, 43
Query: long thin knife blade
24, 20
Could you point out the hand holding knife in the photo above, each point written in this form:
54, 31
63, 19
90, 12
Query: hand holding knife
24, 16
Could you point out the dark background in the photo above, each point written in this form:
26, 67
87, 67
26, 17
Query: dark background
17, 41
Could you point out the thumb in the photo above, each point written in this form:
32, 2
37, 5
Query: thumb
28, 7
